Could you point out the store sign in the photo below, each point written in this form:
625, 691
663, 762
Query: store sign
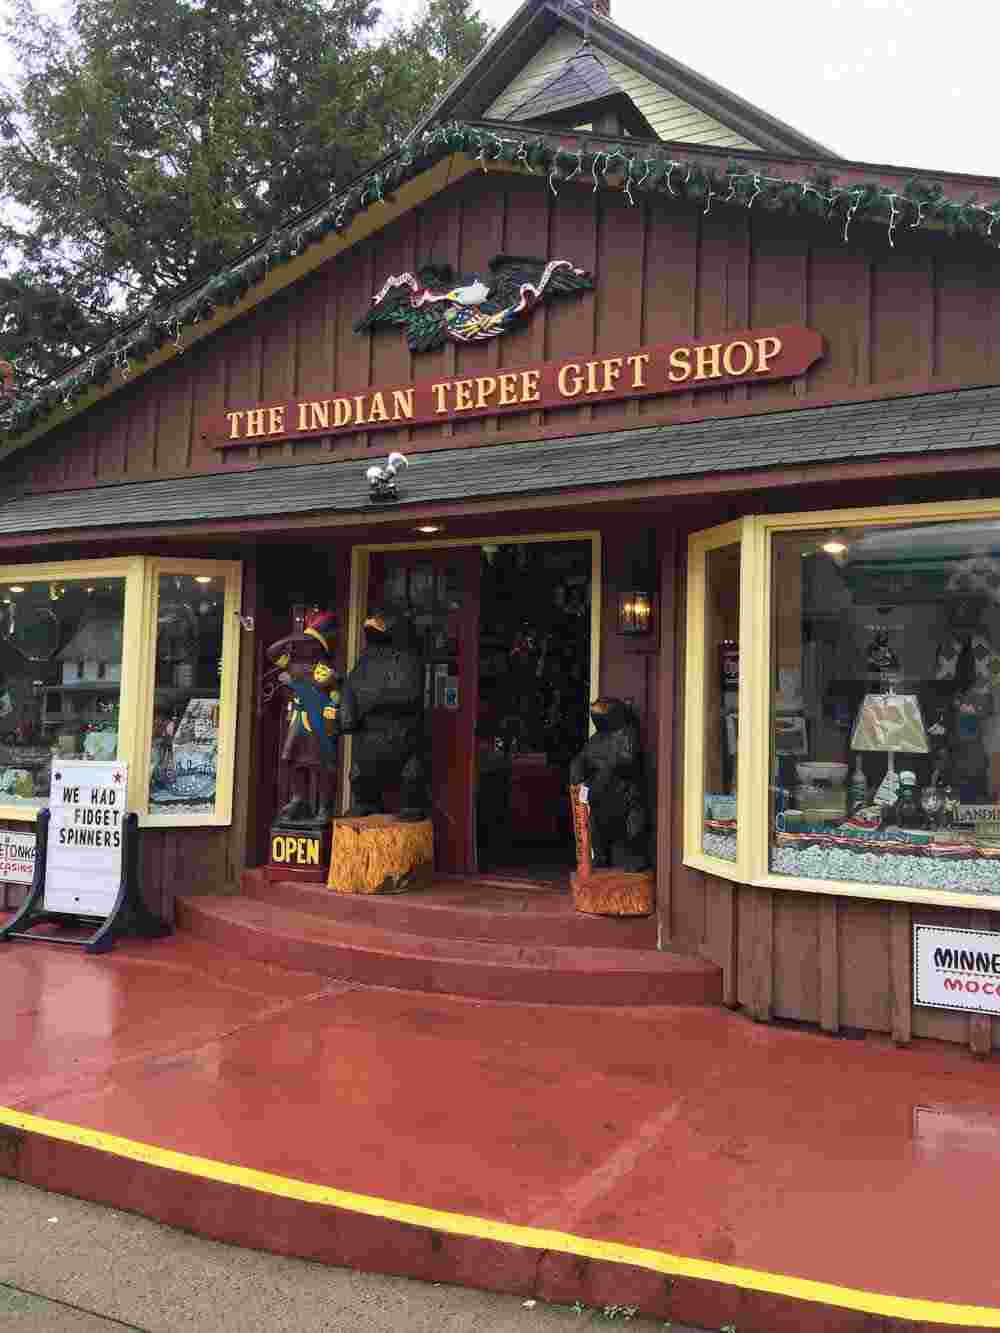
957, 969
83, 862
754, 356
296, 849
17, 857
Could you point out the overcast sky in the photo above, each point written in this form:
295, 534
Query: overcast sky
895, 82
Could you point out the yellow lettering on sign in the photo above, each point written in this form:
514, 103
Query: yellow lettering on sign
707, 358
277, 848
312, 852
234, 424
728, 361
638, 361
767, 349
486, 386
529, 386
319, 414
508, 389
440, 392
592, 376
569, 380
341, 412
680, 365
402, 403
255, 421
612, 368
359, 409
300, 850
276, 419
463, 395
378, 405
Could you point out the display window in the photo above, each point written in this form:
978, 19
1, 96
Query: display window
130, 659
874, 683
715, 571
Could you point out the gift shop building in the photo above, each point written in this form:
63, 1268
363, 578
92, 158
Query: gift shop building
697, 415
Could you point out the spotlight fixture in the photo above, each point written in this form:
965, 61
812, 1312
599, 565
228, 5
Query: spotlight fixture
203, 578
17, 587
835, 547
429, 527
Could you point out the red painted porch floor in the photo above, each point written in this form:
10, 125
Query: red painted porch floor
689, 1132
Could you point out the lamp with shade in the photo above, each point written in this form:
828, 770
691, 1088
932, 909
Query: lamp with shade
890, 724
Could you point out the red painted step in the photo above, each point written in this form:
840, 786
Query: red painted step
369, 955
467, 909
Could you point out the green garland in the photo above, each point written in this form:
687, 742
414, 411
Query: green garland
739, 185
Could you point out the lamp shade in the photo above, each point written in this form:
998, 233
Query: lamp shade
890, 723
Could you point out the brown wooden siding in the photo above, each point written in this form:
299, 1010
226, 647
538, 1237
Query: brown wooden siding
843, 964
894, 321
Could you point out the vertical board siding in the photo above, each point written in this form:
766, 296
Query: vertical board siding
901, 315
670, 290
755, 982
905, 320
480, 240
796, 958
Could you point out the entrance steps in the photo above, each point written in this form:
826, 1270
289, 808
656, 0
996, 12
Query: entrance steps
480, 938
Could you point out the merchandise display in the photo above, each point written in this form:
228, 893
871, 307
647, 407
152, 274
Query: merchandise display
60, 679
927, 697
186, 705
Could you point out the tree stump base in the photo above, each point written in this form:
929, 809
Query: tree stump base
614, 892
380, 854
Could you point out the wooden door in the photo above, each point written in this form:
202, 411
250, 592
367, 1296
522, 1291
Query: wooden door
439, 591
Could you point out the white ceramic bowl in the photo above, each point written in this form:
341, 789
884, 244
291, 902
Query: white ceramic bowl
813, 772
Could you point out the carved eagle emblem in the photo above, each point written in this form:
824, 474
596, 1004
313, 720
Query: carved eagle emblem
436, 306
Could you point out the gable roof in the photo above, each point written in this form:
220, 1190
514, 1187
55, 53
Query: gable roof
474, 94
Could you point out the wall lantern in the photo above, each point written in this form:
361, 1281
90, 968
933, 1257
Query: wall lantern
635, 611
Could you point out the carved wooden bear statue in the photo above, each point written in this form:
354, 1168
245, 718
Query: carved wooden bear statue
382, 706
610, 765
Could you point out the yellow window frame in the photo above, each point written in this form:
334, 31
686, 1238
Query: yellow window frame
138, 670
756, 534
231, 572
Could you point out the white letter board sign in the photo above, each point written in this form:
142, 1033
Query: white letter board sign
957, 969
83, 861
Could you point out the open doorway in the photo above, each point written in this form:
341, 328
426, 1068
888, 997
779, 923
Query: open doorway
508, 631
533, 704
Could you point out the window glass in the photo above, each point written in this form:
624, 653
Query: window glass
721, 686
60, 679
885, 705
187, 694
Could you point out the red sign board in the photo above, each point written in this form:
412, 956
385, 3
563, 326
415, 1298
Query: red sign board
704, 363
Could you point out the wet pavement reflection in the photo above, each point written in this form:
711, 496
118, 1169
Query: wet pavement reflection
686, 1129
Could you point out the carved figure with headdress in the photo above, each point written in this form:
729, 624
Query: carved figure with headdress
309, 746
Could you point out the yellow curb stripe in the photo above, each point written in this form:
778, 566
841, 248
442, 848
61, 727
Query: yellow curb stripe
536, 1238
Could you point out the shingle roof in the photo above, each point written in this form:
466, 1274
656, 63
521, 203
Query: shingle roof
929, 423
582, 79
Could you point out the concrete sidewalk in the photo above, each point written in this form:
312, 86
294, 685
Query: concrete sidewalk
72, 1267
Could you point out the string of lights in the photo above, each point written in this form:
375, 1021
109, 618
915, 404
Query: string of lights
643, 172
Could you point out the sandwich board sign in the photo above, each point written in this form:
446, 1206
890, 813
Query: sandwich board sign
86, 863
83, 864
